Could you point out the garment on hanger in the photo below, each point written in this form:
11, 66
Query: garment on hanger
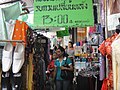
10, 28
116, 63
39, 62
11, 11
3, 32
114, 6
105, 86
105, 47
20, 31
7, 12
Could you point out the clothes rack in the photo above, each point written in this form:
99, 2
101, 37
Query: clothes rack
26, 11
10, 2
20, 41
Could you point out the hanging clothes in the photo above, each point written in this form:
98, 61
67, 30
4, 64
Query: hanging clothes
10, 28
105, 85
20, 31
106, 49
3, 32
114, 6
8, 12
12, 11
40, 60
116, 62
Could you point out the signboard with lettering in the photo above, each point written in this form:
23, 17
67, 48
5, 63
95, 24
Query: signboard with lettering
62, 33
73, 13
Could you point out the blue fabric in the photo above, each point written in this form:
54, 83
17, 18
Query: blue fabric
99, 28
58, 64
77, 43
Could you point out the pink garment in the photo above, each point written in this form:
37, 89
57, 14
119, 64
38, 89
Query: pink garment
81, 43
92, 29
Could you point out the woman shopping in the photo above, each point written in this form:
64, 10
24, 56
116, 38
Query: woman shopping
70, 51
61, 84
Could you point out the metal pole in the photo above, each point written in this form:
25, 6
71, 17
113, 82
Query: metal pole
106, 29
106, 33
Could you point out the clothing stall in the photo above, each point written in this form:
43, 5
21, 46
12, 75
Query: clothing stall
108, 49
89, 62
40, 60
16, 36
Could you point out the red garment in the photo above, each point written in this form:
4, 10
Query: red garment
104, 85
105, 48
108, 46
108, 43
108, 82
102, 48
51, 65
110, 79
110, 64
51, 68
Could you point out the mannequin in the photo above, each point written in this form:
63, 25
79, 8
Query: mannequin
116, 60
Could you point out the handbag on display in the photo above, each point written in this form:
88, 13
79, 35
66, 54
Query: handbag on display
66, 74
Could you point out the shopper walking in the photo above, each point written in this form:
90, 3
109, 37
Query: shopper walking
70, 51
50, 85
61, 84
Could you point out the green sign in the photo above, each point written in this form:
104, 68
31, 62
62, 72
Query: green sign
63, 33
59, 13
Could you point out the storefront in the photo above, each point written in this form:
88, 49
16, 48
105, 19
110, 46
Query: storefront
25, 45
